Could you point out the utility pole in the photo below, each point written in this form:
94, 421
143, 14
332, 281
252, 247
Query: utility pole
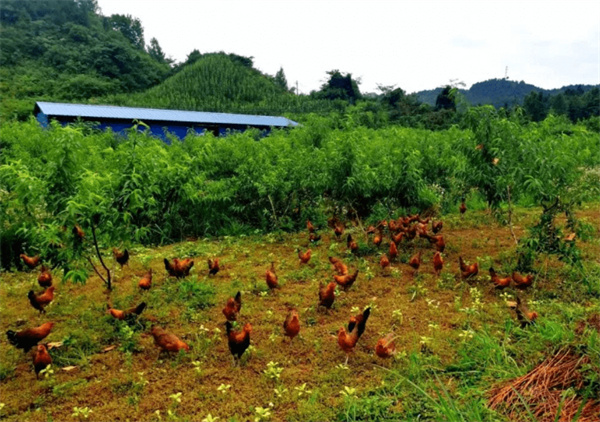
297, 93
506, 73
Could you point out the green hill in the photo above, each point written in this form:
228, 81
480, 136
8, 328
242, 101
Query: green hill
499, 92
222, 82
66, 51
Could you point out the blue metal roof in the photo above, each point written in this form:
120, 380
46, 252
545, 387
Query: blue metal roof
153, 114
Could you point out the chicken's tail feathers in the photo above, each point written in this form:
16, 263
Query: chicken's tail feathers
228, 326
238, 298
366, 313
12, 337
140, 308
362, 324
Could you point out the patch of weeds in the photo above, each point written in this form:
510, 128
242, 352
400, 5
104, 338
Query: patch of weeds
446, 280
7, 370
476, 305
262, 413
77, 347
67, 388
193, 294
417, 289
273, 371
81, 412
373, 407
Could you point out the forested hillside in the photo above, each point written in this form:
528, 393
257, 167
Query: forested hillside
503, 93
65, 51
223, 82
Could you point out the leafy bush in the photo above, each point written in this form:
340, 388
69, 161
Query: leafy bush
138, 188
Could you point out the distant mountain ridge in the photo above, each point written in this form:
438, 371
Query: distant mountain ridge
499, 92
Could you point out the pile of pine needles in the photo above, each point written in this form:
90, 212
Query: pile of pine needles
548, 392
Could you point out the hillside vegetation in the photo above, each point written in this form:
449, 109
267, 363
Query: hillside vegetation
66, 51
222, 82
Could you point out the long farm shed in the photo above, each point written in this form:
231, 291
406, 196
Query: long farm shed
160, 121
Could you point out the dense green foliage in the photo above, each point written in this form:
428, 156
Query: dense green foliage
65, 51
502, 93
140, 188
576, 104
223, 82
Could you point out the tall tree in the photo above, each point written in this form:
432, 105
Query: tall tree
280, 79
340, 86
157, 53
130, 27
536, 106
446, 100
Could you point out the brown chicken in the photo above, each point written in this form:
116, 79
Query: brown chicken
351, 243
436, 226
42, 300
179, 268
415, 262
121, 257
338, 265
384, 262
422, 230
310, 227
41, 359
304, 256
386, 347
238, 341
393, 226
371, 229
438, 241
45, 277
313, 238
29, 337
438, 263
213, 266
397, 238
271, 277
291, 325
346, 281
347, 339
500, 283
30, 261
79, 234
467, 271
327, 295
232, 307
360, 321
146, 281
411, 232
463, 207
524, 315
338, 229
393, 250
520, 281
121, 315
166, 341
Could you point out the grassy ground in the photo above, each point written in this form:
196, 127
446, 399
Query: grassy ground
457, 340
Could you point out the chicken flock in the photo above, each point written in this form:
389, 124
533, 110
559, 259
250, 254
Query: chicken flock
403, 229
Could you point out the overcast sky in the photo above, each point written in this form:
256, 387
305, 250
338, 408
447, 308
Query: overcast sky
413, 45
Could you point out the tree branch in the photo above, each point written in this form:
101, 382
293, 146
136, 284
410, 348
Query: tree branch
95, 270
107, 281
512, 232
